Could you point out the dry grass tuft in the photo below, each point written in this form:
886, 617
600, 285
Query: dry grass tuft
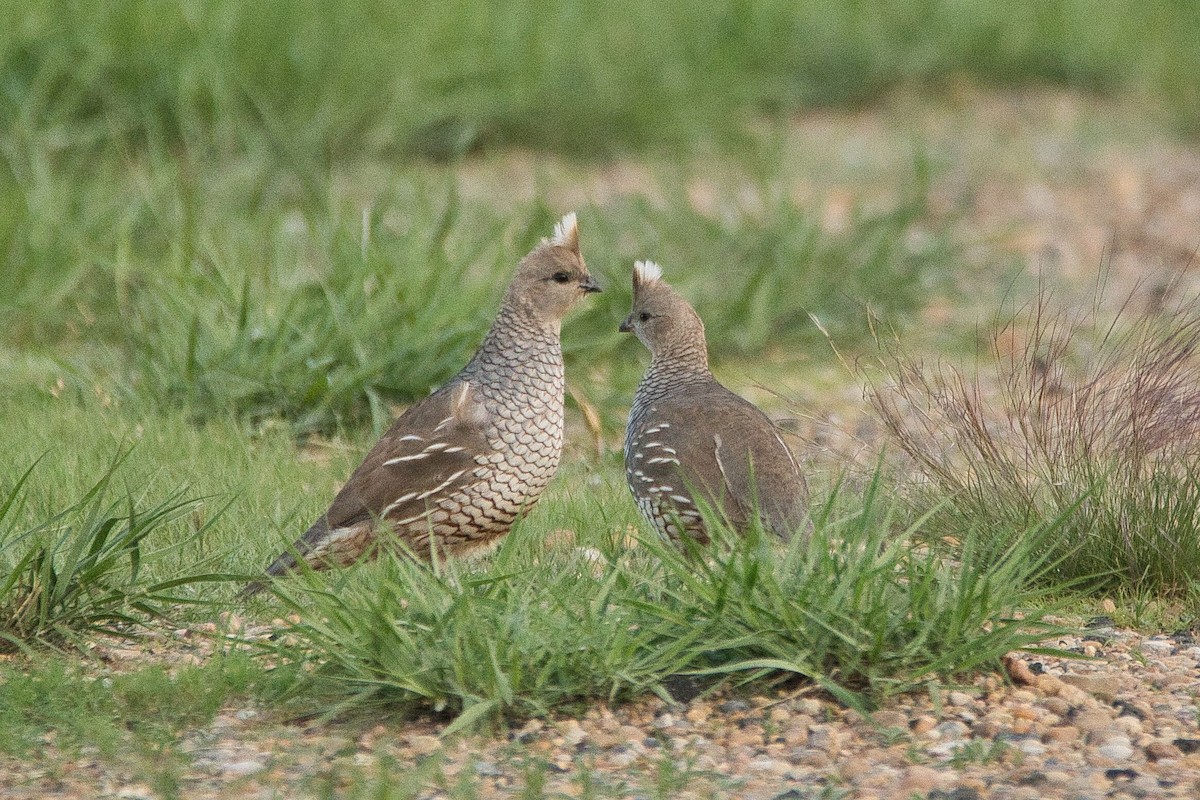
1095, 417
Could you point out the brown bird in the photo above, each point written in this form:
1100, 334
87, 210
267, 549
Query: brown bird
690, 439
456, 469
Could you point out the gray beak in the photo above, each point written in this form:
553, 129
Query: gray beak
589, 285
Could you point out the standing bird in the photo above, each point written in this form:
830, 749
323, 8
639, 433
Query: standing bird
689, 438
454, 471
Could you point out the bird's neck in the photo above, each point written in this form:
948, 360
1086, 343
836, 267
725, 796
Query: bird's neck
518, 333
675, 368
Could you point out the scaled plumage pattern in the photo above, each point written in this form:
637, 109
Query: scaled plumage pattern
690, 439
457, 468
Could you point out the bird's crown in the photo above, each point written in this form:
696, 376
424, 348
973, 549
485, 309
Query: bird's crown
646, 273
566, 233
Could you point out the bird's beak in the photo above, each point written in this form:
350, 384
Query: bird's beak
627, 325
589, 285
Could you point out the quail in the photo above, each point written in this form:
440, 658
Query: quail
690, 442
456, 469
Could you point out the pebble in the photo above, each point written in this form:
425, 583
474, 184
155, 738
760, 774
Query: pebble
242, 768
424, 744
951, 729
1062, 743
1157, 647
1117, 748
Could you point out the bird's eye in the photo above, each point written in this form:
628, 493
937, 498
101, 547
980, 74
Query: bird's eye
561, 277
644, 316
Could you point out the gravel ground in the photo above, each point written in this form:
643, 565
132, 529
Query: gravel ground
1119, 722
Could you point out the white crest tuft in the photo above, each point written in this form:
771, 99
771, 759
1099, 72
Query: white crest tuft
566, 230
646, 272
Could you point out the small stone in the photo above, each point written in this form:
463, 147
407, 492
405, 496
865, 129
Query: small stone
1094, 723
951, 729
919, 780
1130, 726
1188, 746
424, 744
811, 707
733, 707
986, 729
1057, 777
242, 768
1158, 647
1158, 750
779, 715
922, 725
824, 737
1062, 733
1031, 747
1026, 711
573, 733
1057, 705
810, 757
1097, 685
1117, 748
959, 699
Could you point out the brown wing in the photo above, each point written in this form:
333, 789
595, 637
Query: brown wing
428, 451
730, 453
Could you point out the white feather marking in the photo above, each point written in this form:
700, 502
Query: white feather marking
435, 446
454, 449
443, 424
398, 459
412, 437
399, 501
663, 461
678, 498
670, 450
565, 230
443, 485
647, 272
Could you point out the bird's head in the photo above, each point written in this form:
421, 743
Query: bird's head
664, 321
553, 278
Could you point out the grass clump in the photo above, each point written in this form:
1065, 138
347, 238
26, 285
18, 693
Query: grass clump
80, 571
1093, 418
861, 609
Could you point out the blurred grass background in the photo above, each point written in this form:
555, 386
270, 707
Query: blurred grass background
179, 221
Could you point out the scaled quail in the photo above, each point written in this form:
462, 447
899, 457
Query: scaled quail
689, 438
455, 470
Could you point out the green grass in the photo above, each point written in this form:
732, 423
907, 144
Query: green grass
179, 295
79, 571
864, 610
318, 81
